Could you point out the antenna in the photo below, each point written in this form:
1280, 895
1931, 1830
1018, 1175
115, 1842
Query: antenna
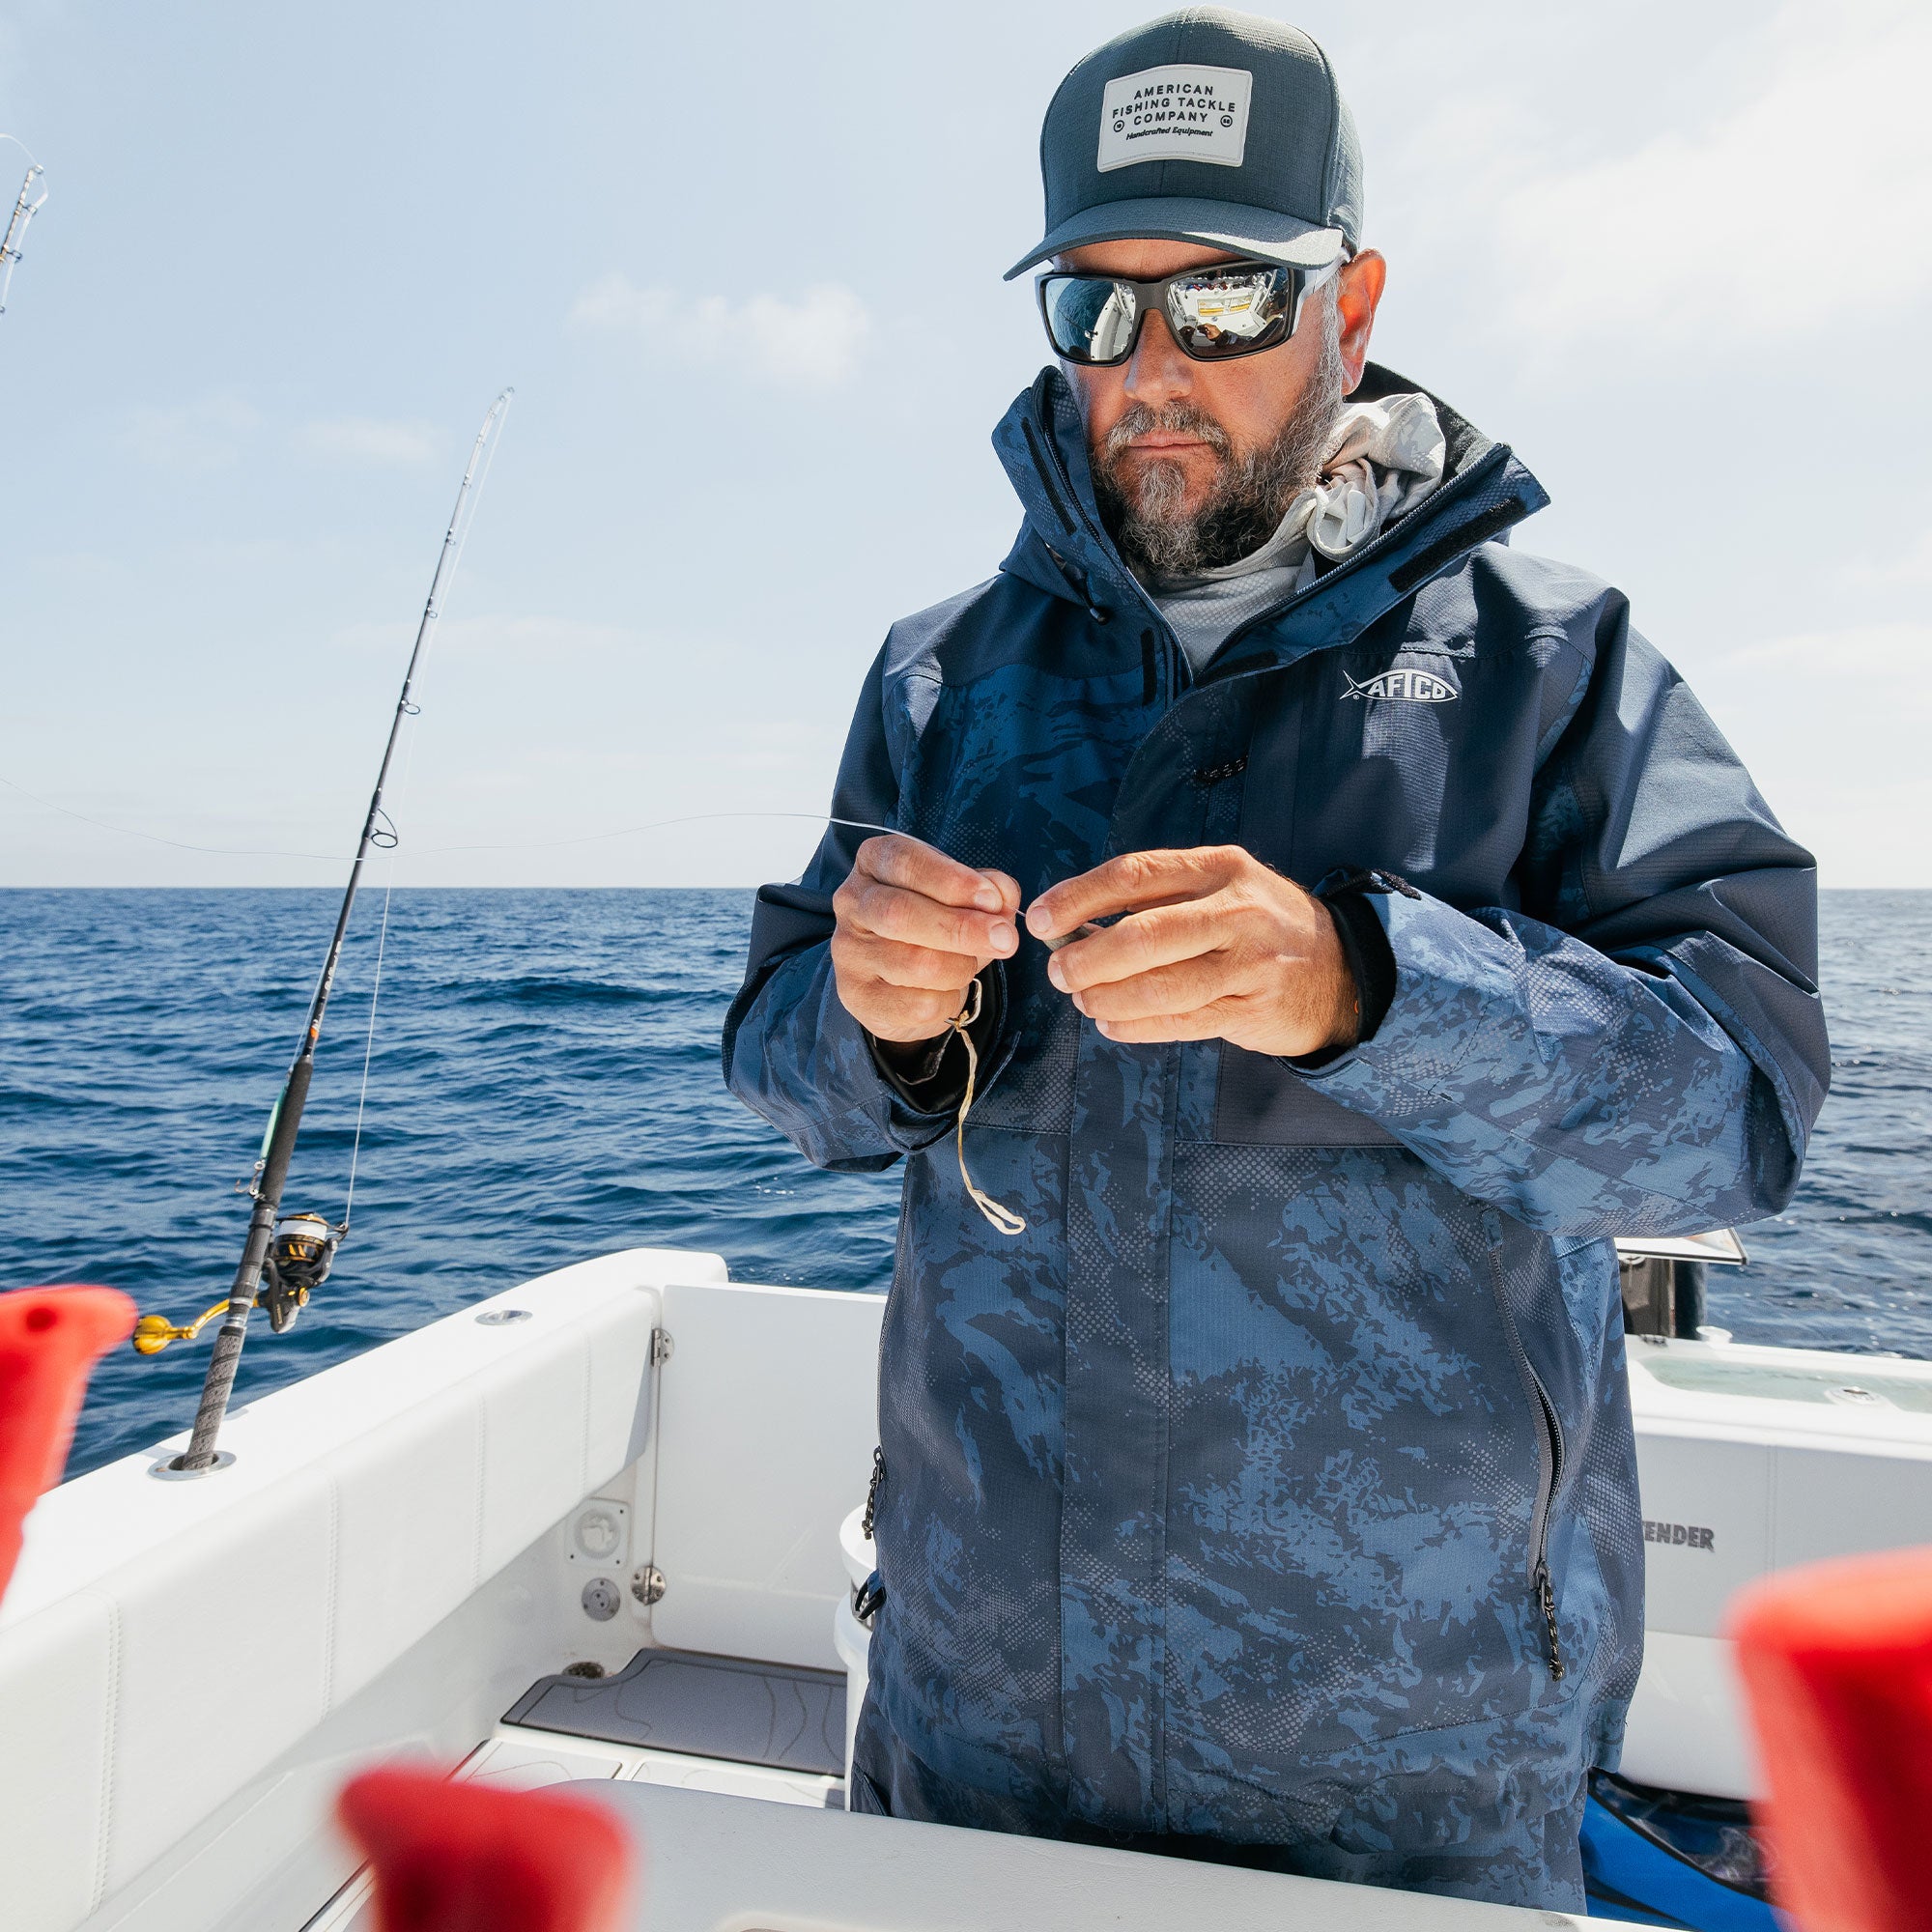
26, 204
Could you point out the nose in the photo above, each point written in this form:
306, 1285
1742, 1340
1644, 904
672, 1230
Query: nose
1158, 372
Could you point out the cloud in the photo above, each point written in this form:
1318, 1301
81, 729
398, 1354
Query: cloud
191, 437
1806, 198
369, 439
814, 343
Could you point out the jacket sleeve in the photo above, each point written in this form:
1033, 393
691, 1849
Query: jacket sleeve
792, 1052
1641, 1049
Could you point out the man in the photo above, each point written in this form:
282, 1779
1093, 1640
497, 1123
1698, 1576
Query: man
1256, 1476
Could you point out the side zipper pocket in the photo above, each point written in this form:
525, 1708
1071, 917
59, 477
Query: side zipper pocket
876, 1487
1549, 1456
1545, 1594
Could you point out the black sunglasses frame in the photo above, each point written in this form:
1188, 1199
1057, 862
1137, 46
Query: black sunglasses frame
1151, 296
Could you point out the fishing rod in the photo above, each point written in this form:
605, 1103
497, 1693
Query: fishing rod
285, 1259
26, 204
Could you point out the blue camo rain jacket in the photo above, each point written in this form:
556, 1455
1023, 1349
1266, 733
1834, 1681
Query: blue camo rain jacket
1223, 1501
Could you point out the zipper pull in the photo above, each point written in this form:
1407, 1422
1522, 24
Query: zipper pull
1547, 1597
877, 1484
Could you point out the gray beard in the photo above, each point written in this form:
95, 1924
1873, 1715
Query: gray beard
1244, 505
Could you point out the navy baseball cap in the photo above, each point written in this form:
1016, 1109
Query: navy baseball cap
1205, 126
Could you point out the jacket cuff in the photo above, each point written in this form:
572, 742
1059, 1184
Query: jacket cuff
1452, 1020
1366, 947
929, 1075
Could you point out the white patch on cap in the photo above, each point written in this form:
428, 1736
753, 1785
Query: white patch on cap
1175, 114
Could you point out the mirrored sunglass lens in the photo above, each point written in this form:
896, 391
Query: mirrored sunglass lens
1230, 315
1090, 320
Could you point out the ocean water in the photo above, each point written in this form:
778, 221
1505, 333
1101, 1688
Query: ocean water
543, 1087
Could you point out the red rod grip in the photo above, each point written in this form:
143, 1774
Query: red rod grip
468, 1858
50, 1339
1836, 1660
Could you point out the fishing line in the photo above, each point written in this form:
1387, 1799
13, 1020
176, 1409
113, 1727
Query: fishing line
1001, 1218
660, 825
1004, 1221
393, 842
515, 846
180, 845
368, 1045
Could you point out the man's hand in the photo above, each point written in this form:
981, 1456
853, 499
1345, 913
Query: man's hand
1215, 947
915, 929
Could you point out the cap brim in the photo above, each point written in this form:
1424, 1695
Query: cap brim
1262, 232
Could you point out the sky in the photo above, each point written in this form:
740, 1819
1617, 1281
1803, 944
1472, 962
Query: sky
1680, 258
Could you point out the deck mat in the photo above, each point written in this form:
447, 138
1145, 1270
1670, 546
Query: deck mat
679, 1700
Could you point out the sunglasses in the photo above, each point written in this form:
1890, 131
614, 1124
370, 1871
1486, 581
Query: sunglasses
1215, 314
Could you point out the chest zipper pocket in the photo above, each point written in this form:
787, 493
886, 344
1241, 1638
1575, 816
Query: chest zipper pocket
1548, 1458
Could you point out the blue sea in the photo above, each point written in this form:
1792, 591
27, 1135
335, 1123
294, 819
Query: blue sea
544, 1086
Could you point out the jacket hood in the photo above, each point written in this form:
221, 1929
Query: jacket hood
1063, 549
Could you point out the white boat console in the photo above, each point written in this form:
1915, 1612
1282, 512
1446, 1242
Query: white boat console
438, 1547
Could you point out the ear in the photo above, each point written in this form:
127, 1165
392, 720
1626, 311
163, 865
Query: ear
1359, 291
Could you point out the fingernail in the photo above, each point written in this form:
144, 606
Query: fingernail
987, 898
1037, 922
1054, 973
1005, 939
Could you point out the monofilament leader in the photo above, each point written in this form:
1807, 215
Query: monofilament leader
1271, 1495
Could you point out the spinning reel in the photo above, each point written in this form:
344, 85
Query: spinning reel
298, 1263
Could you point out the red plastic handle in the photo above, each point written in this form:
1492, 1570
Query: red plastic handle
50, 1339
467, 1857
1836, 1660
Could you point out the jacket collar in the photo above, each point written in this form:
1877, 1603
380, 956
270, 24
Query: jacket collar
1064, 550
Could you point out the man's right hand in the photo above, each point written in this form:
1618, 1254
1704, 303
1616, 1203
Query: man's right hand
915, 929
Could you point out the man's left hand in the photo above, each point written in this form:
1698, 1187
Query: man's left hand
1214, 946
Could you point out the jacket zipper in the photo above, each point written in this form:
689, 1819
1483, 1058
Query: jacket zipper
1047, 475
1548, 1458
873, 1491
1066, 507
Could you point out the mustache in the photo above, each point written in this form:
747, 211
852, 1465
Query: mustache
1176, 418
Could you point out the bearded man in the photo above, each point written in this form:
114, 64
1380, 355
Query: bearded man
1256, 1475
